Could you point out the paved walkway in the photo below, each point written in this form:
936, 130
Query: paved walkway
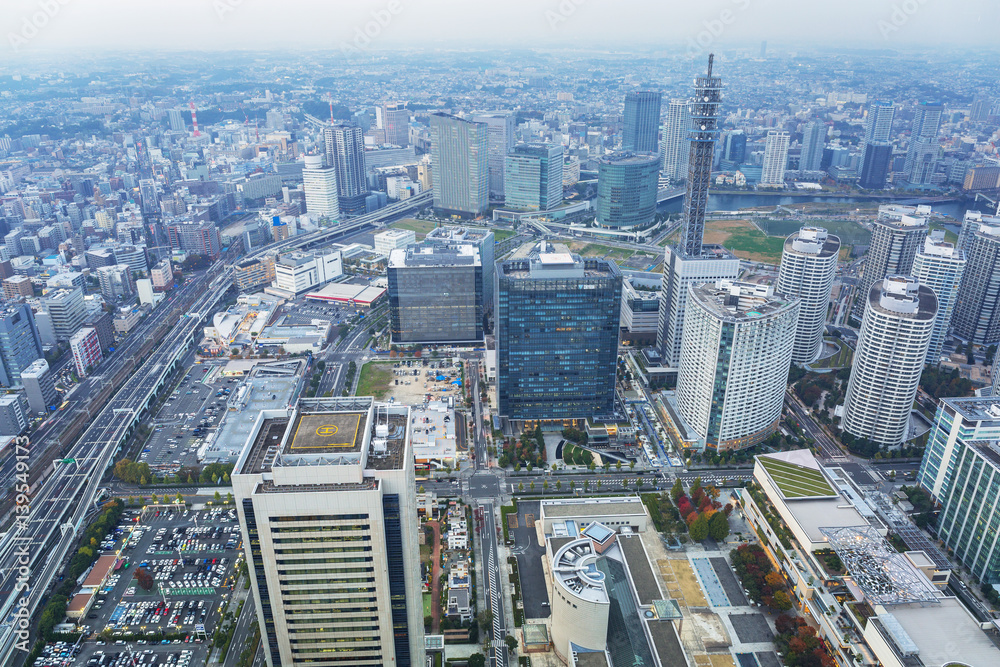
436, 578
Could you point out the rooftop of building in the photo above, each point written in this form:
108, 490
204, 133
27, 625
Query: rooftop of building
590, 507
733, 301
796, 474
395, 233
940, 634
813, 241
902, 296
453, 234
628, 158
434, 256
935, 245
574, 567
547, 265
974, 408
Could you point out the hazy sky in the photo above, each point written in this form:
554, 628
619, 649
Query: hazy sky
40, 26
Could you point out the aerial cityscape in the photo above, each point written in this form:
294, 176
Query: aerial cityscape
551, 334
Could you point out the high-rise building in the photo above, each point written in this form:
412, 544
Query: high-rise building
736, 146
534, 177
436, 294
737, 350
39, 386
641, 121
325, 495
970, 225
13, 414
813, 142
979, 110
162, 275
875, 165
958, 423
176, 119
878, 124
345, 152
897, 234
977, 313
20, 344
116, 282
557, 337
500, 139
320, 186
704, 132
459, 152
86, 349
448, 236
17, 287
396, 123
640, 314
296, 272
808, 267
67, 311
922, 153
892, 346
940, 266
627, 185
676, 147
198, 238
775, 158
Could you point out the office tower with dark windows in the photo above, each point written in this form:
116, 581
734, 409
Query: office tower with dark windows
892, 346
325, 495
977, 313
875, 164
897, 234
627, 185
692, 262
940, 266
557, 337
676, 147
736, 146
738, 340
460, 166
396, 123
448, 236
808, 267
534, 176
878, 124
345, 152
500, 139
813, 142
20, 344
436, 294
642, 121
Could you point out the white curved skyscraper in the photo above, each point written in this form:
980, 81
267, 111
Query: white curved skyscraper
895, 333
940, 266
808, 266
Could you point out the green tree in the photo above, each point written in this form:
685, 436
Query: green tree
718, 526
218, 497
781, 601
520, 486
545, 486
618, 466
511, 643
699, 529
180, 498
477, 660
558, 485
531, 487
677, 490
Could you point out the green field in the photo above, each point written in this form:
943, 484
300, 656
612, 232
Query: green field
419, 227
850, 233
375, 380
427, 604
502, 234
795, 481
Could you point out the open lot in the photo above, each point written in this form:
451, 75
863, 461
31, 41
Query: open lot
681, 582
190, 555
744, 240
188, 418
419, 227
795, 481
410, 381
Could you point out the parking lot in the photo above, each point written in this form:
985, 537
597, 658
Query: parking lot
158, 655
188, 418
303, 311
190, 556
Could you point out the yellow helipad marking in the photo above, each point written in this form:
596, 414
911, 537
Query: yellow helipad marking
329, 429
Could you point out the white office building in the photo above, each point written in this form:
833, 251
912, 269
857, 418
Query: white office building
808, 267
775, 158
391, 239
679, 273
676, 146
297, 272
320, 186
940, 266
738, 340
326, 500
892, 346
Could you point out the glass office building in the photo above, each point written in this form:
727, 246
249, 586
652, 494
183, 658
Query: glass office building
627, 185
557, 337
534, 175
436, 294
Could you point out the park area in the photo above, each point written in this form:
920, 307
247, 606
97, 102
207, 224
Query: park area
795, 481
621, 256
842, 358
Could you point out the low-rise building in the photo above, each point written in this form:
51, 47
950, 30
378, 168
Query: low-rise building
390, 239
86, 349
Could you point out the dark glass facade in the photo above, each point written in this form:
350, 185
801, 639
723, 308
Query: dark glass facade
557, 338
642, 121
626, 190
436, 298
